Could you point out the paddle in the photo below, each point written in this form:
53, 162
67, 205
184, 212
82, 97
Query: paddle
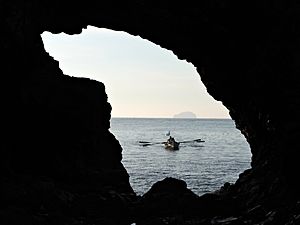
196, 140
147, 143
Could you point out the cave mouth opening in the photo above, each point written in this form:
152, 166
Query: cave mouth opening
147, 86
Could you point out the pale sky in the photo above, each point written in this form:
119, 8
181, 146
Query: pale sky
141, 78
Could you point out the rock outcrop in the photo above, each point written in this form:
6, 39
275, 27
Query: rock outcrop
59, 163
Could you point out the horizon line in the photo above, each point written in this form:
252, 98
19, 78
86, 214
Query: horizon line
137, 117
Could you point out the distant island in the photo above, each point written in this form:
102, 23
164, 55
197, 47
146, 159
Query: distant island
185, 115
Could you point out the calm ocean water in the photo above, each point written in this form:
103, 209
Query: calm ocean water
204, 166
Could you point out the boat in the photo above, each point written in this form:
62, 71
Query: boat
171, 144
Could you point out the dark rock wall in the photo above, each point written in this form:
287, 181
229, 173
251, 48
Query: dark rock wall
47, 115
247, 54
59, 163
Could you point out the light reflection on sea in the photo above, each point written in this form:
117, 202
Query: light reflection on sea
204, 166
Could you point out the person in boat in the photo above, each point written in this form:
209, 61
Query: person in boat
171, 140
171, 143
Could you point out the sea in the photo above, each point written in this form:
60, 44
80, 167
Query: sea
204, 166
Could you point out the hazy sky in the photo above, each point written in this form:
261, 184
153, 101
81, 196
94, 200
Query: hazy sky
141, 78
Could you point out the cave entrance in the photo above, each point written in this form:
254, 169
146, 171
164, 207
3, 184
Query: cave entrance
147, 86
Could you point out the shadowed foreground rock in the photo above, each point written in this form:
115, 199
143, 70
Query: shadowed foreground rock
65, 167
170, 202
59, 163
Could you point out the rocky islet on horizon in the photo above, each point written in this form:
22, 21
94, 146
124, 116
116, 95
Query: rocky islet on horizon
186, 114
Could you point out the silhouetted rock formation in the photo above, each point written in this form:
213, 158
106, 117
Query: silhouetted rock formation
59, 163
